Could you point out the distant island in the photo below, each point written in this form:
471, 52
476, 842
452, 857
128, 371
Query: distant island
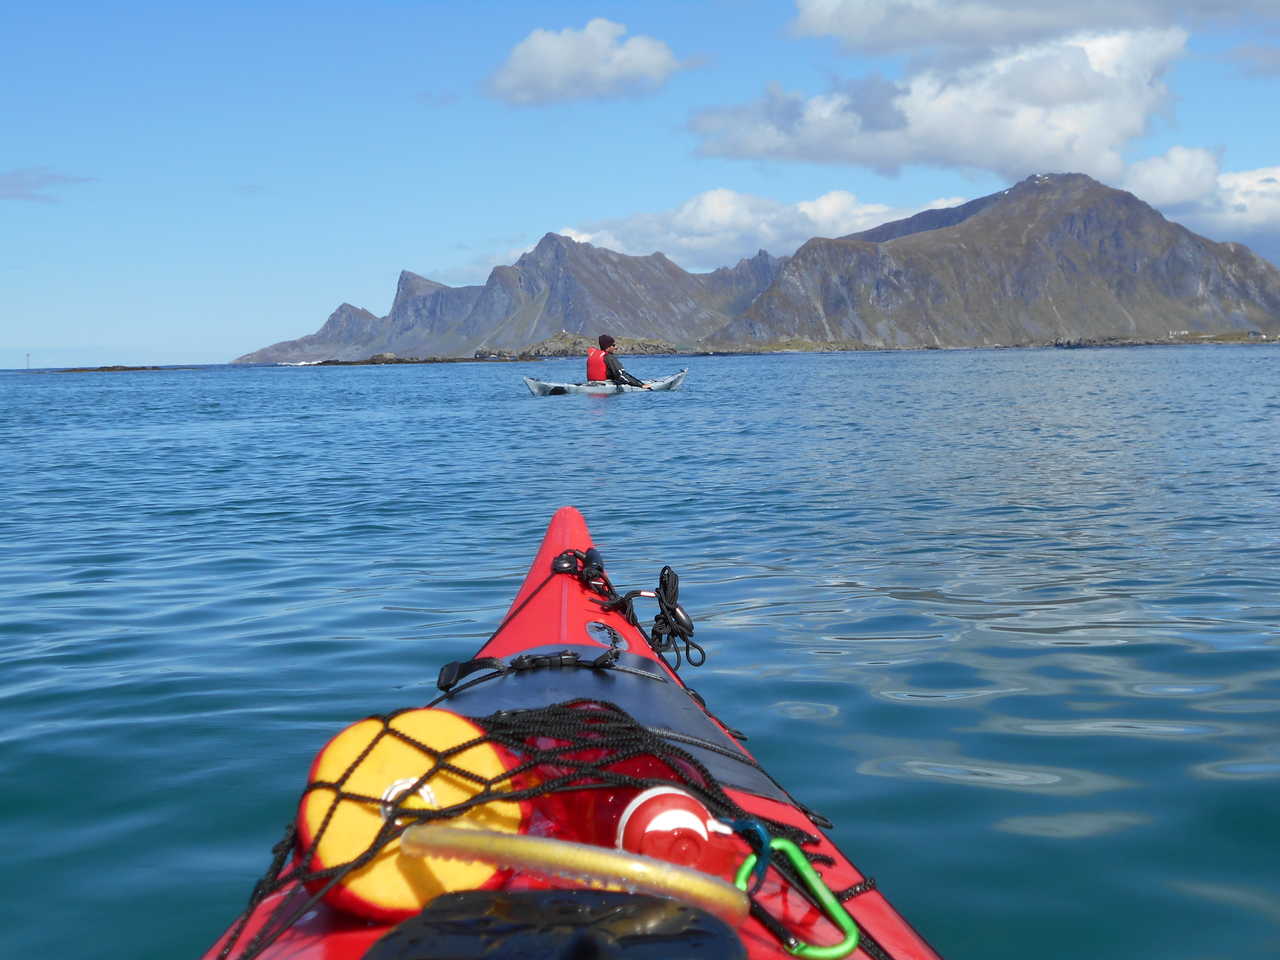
1055, 259
113, 368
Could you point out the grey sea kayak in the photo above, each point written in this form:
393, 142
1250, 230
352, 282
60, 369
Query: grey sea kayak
543, 388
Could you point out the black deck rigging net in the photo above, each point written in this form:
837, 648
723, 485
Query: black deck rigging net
586, 745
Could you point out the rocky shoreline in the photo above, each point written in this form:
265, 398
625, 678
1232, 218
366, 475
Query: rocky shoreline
562, 349
565, 344
388, 359
1179, 339
561, 345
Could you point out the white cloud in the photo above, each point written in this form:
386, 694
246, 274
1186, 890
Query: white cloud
977, 27
1243, 206
549, 66
1069, 104
1250, 200
1182, 175
896, 26
1187, 185
718, 227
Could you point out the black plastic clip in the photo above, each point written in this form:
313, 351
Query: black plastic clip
451, 673
606, 659
534, 661
592, 566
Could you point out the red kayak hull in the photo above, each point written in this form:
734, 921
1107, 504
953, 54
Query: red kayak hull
557, 610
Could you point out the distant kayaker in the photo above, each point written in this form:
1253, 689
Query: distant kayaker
603, 364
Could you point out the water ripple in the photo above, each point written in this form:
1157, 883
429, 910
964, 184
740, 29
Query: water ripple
1071, 826
976, 773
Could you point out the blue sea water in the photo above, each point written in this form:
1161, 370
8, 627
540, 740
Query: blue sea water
1010, 618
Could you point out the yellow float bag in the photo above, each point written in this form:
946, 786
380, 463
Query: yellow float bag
361, 786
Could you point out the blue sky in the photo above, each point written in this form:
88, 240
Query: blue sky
186, 183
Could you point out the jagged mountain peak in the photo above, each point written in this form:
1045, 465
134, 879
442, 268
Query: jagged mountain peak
411, 284
760, 257
415, 279
557, 251
552, 248
411, 288
551, 239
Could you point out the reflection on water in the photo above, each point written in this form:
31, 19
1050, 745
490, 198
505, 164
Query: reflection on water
1239, 706
943, 695
1175, 689
977, 773
798, 710
1267, 907
1114, 728
1069, 826
1262, 768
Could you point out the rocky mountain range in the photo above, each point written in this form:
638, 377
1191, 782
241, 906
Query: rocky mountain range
1056, 256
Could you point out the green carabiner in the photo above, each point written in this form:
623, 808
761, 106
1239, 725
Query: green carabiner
835, 910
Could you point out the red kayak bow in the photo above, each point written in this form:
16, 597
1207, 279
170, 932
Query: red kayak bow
568, 749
